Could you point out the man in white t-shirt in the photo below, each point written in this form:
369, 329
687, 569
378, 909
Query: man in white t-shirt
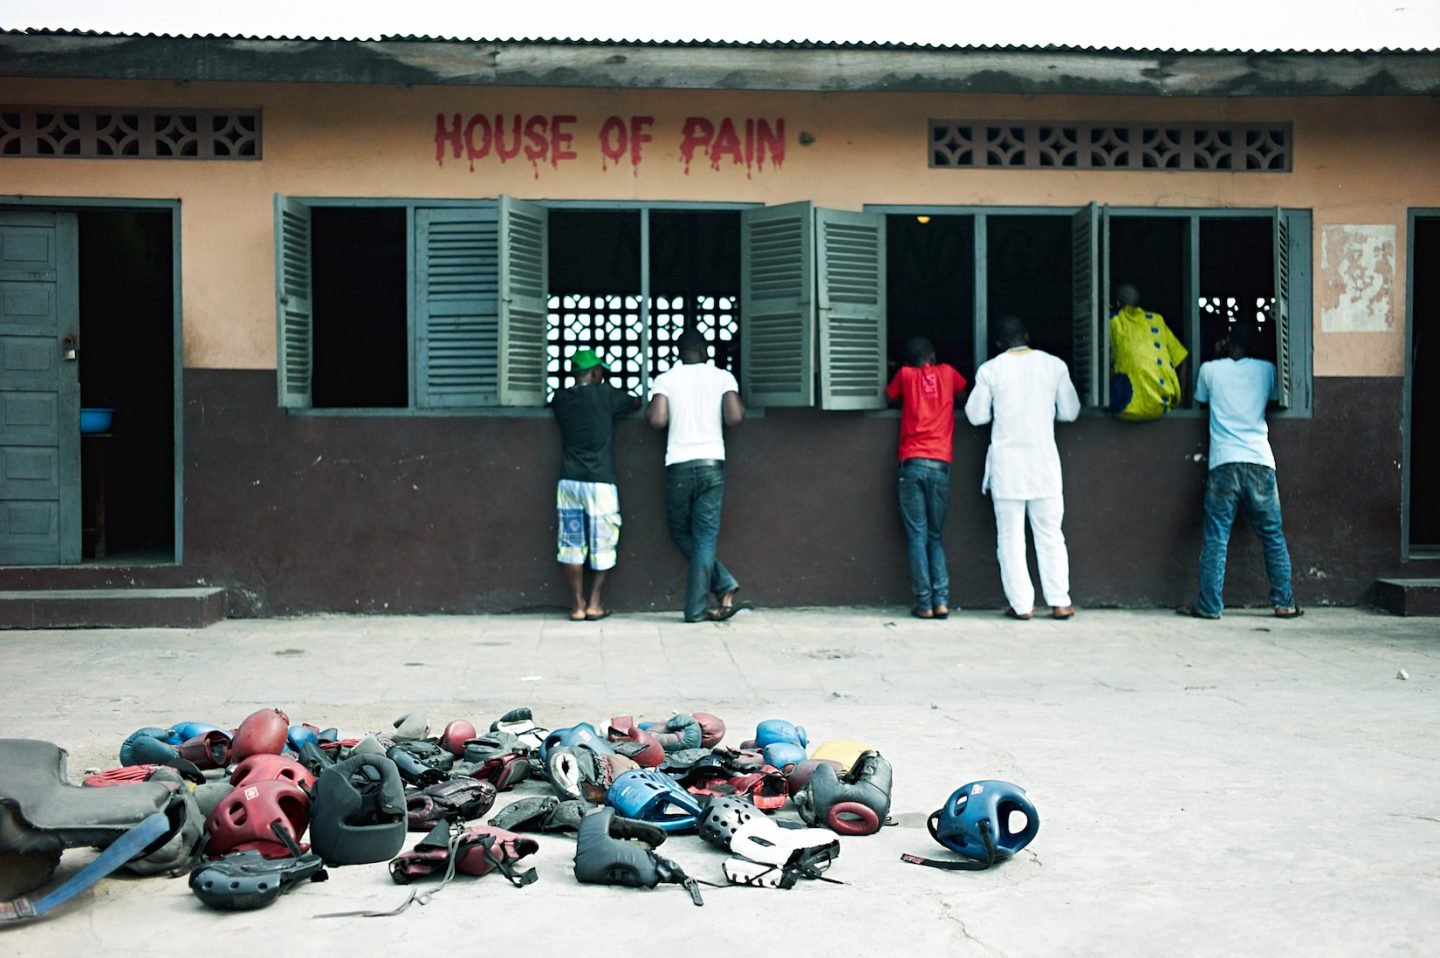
1024, 392
1237, 387
696, 400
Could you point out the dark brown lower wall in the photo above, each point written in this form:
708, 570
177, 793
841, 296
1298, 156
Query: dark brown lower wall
308, 513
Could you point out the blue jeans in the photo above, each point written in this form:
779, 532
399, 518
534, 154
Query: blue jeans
924, 489
1227, 487
694, 493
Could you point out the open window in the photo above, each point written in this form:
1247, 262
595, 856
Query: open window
627, 282
395, 305
1204, 270
951, 272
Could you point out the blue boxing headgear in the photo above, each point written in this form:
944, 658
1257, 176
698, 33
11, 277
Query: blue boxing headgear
975, 821
582, 734
655, 797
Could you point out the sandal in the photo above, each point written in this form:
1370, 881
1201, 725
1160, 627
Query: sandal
1294, 612
1012, 614
920, 613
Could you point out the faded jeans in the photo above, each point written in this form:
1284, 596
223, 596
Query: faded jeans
1227, 487
924, 492
694, 494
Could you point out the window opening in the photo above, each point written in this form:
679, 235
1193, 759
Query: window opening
1028, 265
930, 287
594, 296
1151, 253
360, 350
596, 293
1237, 281
694, 282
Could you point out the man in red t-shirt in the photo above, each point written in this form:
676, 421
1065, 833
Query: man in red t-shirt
926, 392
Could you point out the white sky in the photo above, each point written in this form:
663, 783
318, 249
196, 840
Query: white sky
1172, 24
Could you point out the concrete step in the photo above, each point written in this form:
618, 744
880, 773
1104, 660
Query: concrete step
1408, 596
192, 608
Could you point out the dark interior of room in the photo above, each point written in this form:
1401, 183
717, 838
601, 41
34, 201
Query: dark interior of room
694, 260
360, 352
1236, 262
695, 255
930, 288
1424, 398
1028, 266
127, 317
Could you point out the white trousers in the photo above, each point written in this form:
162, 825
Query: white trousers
1045, 516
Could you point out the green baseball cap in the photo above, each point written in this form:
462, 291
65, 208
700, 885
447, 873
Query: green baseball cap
586, 359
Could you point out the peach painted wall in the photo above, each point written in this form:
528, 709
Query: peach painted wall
1357, 161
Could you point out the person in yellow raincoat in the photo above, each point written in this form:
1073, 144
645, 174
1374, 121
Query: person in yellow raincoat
1144, 356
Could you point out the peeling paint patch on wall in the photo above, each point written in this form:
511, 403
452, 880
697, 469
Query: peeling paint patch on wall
1357, 279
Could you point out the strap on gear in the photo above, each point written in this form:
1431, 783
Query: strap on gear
743, 871
416, 897
954, 866
117, 853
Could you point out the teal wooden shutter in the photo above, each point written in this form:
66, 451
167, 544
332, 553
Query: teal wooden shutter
850, 298
1085, 308
294, 310
524, 301
1280, 315
457, 314
777, 352
1105, 299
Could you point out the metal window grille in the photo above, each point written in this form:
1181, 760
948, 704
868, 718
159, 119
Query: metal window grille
127, 133
611, 325
1044, 145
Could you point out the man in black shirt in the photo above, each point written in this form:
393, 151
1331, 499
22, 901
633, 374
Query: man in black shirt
586, 499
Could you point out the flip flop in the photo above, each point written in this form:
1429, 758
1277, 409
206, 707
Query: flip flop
592, 617
1012, 614
1294, 612
920, 613
722, 613
578, 616
1194, 613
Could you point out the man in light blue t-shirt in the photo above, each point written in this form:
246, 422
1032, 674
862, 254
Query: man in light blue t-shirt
1242, 470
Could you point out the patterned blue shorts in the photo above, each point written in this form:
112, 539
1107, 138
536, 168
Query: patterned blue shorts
589, 514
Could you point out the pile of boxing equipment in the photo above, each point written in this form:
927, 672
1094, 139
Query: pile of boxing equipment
269, 805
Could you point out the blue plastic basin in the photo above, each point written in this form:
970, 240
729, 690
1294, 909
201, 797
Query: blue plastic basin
96, 420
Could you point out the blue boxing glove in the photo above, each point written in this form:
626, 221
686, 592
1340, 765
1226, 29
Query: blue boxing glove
779, 730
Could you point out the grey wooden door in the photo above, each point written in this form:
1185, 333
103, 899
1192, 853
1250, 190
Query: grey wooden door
39, 390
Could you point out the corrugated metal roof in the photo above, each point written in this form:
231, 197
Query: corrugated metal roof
731, 65
738, 44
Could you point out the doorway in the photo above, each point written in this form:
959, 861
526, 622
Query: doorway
89, 435
127, 364
1422, 506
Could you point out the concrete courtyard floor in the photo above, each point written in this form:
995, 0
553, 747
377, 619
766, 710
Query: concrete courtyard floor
1243, 787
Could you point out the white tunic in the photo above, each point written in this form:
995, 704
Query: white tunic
1024, 391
